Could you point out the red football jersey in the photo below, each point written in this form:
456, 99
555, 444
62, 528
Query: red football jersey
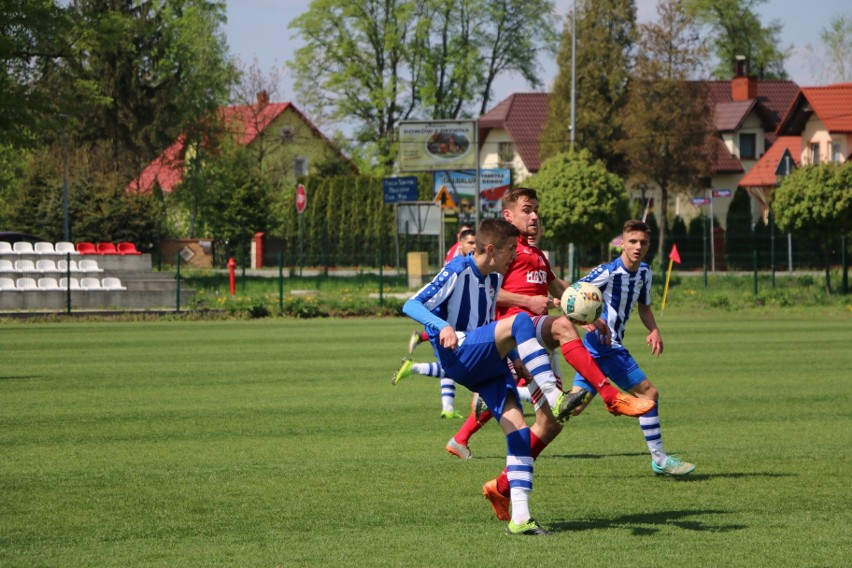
452, 253
529, 275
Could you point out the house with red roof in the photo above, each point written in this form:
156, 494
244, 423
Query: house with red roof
817, 127
747, 114
510, 134
286, 142
822, 118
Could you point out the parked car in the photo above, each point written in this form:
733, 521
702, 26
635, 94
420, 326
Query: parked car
14, 237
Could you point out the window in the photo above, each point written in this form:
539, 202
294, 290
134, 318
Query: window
813, 153
748, 146
505, 153
835, 152
300, 167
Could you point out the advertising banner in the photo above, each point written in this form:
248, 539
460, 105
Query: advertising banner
437, 145
461, 187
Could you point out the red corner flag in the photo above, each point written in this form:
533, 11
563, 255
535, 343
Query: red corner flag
674, 255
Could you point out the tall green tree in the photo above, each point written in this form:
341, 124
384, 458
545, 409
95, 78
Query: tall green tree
579, 200
816, 202
736, 29
155, 69
34, 34
606, 34
668, 121
377, 62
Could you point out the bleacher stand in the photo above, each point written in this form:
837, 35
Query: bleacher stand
39, 277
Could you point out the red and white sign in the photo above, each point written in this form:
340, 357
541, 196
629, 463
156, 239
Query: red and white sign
301, 199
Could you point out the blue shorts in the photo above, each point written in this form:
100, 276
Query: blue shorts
619, 366
477, 366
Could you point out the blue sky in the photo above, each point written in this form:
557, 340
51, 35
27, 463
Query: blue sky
257, 29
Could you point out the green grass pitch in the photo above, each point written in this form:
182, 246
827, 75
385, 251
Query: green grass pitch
280, 442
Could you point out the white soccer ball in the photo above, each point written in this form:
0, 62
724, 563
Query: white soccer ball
582, 302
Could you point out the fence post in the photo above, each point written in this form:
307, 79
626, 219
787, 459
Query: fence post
381, 281
844, 287
754, 265
772, 245
177, 281
281, 282
68, 283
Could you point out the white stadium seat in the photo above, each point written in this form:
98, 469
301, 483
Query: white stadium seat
23, 247
6, 265
6, 248
111, 283
26, 284
7, 284
62, 266
90, 284
46, 265
48, 284
75, 284
63, 247
25, 266
89, 265
43, 247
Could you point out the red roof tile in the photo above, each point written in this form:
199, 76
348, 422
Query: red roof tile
762, 174
833, 105
523, 116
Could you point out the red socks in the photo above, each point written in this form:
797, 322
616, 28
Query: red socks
471, 426
578, 356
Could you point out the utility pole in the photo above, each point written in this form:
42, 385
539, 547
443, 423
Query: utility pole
573, 71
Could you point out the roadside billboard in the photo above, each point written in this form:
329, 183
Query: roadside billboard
437, 145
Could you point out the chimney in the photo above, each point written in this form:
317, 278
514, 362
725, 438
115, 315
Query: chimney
262, 99
743, 87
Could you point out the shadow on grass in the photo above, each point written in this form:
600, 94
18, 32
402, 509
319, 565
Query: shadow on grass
18, 378
646, 524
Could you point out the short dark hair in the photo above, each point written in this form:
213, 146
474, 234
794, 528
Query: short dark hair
513, 195
496, 232
467, 233
635, 225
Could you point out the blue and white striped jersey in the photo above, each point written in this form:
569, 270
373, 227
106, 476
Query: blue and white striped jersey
621, 290
459, 295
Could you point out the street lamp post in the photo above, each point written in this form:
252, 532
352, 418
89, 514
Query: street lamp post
66, 226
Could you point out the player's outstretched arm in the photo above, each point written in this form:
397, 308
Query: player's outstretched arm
654, 339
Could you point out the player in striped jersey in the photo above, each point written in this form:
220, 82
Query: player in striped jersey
626, 283
465, 244
458, 309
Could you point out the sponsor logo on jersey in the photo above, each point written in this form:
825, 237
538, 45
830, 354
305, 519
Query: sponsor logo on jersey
537, 277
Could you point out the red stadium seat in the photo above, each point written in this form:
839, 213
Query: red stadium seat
86, 248
127, 248
107, 248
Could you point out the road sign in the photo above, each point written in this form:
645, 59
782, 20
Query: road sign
700, 201
721, 193
301, 199
445, 199
399, 189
